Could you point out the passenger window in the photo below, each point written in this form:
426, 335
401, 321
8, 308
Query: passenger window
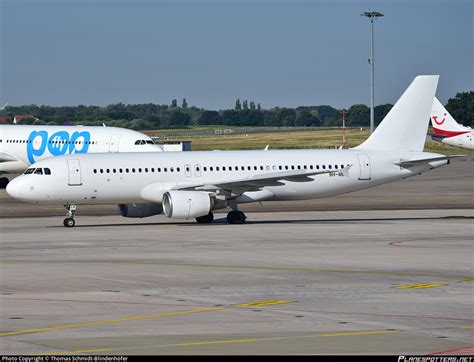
335, 167
292, 167
204, 168
329, 167
165, 169
126, 170
152, 169
95, 170
217, 168
177, 169
286, 167
115, 170
120, 170
324, 167
158, 169
39, 171
249, 168
317, 167
280, 167
47, 171
211, 168
101, 170
140, 170
108, 170
223, 168
311, 167
133, 170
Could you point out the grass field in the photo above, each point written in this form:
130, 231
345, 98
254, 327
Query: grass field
323, 138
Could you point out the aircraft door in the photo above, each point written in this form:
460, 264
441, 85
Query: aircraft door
114, 143
364, 166
74, 173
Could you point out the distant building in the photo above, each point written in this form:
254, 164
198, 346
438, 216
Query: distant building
170, 146
5, 119
21, 117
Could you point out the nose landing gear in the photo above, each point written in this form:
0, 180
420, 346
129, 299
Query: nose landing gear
69, 221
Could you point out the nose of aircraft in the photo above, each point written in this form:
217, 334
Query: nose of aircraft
16, 188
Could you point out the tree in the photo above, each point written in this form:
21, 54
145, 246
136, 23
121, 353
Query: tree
238, 106
359, 115
185, 104
252, 105
380, 112
461, 108
306, 119
174, 103
259, 107
179, 118
245, 105
209, 117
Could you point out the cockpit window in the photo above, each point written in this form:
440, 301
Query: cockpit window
39, 171
144, 142
28, 171
47, 171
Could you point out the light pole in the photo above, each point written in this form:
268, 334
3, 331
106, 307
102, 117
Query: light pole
372, 15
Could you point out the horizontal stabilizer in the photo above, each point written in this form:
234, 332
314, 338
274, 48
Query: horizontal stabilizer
407, 163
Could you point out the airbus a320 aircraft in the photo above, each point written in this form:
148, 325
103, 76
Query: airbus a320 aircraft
447, 130
193, 184
23, 145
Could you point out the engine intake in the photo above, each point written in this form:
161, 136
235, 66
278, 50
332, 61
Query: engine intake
139, 210
187, 204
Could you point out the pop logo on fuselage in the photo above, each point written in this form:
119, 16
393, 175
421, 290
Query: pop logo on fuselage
58, 144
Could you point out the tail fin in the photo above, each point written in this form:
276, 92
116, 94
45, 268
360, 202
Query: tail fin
443, 123
404, 128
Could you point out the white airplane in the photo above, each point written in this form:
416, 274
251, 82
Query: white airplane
447, 130
23, 145
193, 184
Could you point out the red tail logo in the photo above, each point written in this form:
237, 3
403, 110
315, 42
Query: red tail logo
435, 118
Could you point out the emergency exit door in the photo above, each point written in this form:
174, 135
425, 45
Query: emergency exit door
364, 166
74, 173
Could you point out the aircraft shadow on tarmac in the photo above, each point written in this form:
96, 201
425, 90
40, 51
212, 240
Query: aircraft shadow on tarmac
223, 222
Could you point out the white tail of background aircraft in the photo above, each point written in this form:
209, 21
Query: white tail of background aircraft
447, 130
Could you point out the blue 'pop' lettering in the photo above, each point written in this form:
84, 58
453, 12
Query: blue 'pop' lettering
30, 149
58, 144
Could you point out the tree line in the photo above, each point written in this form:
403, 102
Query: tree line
155, 116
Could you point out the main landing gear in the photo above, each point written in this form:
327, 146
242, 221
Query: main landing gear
3, 183
235, 216
69, 221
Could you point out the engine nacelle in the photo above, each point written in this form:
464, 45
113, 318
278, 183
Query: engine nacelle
187, 204
139, 210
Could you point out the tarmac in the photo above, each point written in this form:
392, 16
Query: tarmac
388, 270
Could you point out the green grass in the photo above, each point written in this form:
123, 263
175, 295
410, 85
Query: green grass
301, 139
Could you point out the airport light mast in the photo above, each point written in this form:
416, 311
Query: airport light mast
372, 15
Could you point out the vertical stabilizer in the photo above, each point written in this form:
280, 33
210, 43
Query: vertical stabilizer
404, 128
443, 123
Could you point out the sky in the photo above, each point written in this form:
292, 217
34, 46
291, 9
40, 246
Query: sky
276, 53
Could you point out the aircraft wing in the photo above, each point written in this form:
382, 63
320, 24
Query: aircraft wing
407, 163
5, 157
256, 182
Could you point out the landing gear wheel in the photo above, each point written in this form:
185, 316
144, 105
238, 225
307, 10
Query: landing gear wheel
3, 182
206, 219
71, 211
236, 217
69, 222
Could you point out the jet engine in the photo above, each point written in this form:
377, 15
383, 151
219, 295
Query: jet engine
139, 210
187, 204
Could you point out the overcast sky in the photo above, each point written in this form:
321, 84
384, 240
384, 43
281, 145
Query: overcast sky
276, 53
